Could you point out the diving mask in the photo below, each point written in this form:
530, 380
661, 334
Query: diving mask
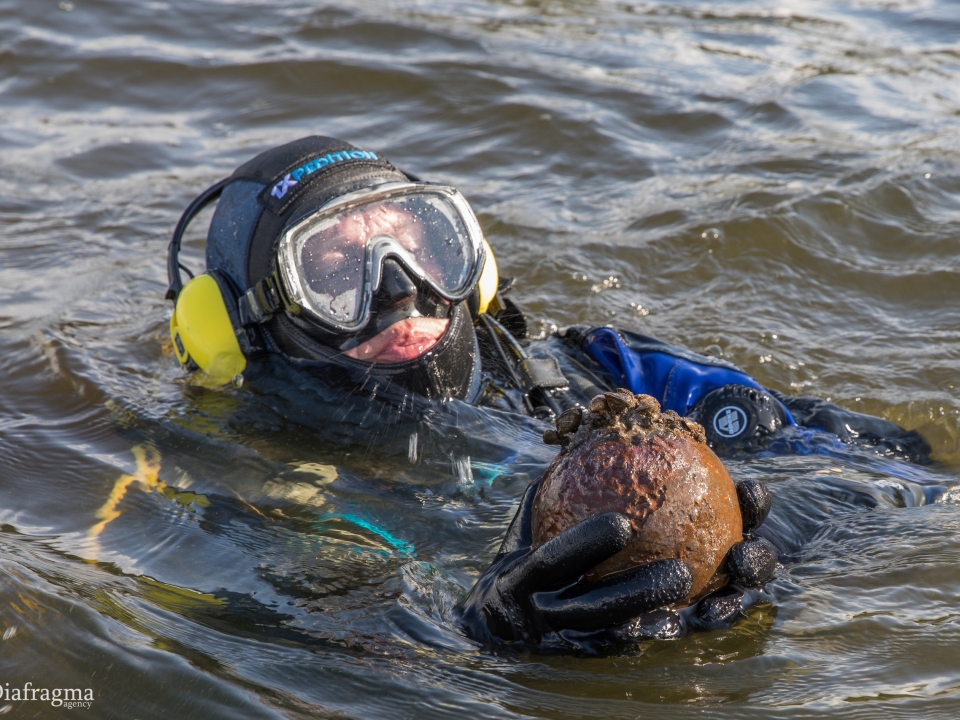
329, 264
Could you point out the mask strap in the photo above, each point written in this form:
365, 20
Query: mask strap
261, 301
173, 252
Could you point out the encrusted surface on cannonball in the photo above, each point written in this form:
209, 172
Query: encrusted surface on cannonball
623, 454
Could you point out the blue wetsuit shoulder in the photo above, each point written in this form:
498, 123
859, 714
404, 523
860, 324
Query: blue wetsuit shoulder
676, 377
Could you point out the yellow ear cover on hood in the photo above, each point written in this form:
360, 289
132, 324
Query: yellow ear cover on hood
201, 331
489, 278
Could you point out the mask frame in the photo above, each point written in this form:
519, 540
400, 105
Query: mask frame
377, 249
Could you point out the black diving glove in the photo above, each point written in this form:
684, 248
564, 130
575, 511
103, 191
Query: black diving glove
527, 593
859, 429
751, 564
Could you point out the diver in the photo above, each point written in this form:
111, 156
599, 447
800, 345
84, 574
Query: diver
327, 257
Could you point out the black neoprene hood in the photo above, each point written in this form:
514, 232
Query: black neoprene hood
274, 190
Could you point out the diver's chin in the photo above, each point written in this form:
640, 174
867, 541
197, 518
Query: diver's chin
405, 340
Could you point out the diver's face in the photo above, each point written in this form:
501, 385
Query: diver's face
406, 321
385, 219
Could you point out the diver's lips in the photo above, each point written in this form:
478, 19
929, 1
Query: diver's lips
405, 340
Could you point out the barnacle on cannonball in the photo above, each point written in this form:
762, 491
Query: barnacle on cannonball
655, 468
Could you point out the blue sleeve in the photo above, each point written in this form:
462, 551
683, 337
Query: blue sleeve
677, 378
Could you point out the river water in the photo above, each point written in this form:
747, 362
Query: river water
774, 182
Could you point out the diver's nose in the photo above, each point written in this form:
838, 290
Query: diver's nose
396, 287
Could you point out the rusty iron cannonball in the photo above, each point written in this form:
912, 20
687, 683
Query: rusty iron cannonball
655, 468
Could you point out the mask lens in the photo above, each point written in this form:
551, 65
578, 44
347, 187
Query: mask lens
436, 241
331, 261
336, 254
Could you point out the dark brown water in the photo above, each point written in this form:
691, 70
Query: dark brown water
776, 182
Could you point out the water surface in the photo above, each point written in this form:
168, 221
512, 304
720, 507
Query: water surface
776, 183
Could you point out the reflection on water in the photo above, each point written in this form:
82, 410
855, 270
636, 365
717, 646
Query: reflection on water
773, 183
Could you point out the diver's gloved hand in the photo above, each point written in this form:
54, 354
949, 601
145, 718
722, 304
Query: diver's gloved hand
751, 563
857, 428
526, 593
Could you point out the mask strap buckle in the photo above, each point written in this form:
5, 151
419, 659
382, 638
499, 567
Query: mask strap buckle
261, 301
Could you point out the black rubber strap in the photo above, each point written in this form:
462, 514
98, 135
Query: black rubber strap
261, 301
173, 252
